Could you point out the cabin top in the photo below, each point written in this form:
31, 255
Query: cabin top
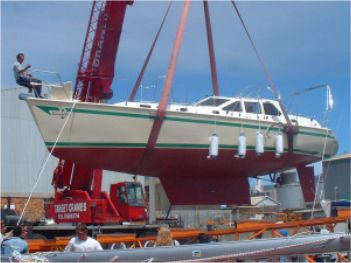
237, 107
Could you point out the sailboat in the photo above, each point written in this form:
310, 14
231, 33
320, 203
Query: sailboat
204, 153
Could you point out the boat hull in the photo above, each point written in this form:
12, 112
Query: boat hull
115, 137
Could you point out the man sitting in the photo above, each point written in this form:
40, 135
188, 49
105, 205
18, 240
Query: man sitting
24, 78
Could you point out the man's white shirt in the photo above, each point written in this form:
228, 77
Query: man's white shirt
17, 67
78, 245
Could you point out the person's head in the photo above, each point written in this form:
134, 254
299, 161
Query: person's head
164, 237
24, 234
20, 57
17, 231
82, 231
3, 227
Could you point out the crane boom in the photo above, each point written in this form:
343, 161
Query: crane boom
93, 84
96, 67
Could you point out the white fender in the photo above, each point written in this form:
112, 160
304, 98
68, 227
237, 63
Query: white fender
242, 145
213, 150
259, 143
279, 145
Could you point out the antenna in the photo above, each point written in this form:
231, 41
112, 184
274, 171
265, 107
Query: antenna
329, 95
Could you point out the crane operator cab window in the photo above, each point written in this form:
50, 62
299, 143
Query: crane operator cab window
135, 194
122, 195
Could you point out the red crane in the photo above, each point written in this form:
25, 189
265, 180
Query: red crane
78, 195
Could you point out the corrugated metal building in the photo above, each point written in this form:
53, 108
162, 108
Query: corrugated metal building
23, 151
337, 173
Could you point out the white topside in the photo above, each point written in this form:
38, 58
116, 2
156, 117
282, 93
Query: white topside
236, 107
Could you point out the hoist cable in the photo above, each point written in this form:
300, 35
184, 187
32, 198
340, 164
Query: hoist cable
146, 62
46, 161
264, 67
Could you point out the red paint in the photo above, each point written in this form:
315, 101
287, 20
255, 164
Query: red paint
97, 63
306, 176
128, 210
75, 182
187, 175
79, 208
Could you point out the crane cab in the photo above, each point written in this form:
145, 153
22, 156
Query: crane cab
129, 200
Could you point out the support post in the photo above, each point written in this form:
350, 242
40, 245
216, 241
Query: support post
152, 198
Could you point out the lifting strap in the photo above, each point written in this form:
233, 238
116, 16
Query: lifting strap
211, 50
169, 79
141, 74
156, 127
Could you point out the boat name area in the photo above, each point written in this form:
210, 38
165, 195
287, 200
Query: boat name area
62, 112
70, 210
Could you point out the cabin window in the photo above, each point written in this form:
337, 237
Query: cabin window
214, 102
252, 107
270, 109
235, 106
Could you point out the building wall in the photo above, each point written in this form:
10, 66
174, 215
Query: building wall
22, 149
23, 152
337, 178
34, 210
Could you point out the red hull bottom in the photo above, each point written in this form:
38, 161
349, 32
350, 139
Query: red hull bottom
187, 176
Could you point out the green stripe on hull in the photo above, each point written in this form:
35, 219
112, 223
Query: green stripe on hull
163, 145
49, 109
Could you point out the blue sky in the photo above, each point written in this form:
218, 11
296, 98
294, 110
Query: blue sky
302, 44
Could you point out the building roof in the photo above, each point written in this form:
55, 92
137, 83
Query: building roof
339, 157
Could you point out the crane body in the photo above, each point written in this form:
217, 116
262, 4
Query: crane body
78, 195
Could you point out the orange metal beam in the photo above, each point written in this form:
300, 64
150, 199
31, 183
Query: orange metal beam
256, 234
310, 258
179, 234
